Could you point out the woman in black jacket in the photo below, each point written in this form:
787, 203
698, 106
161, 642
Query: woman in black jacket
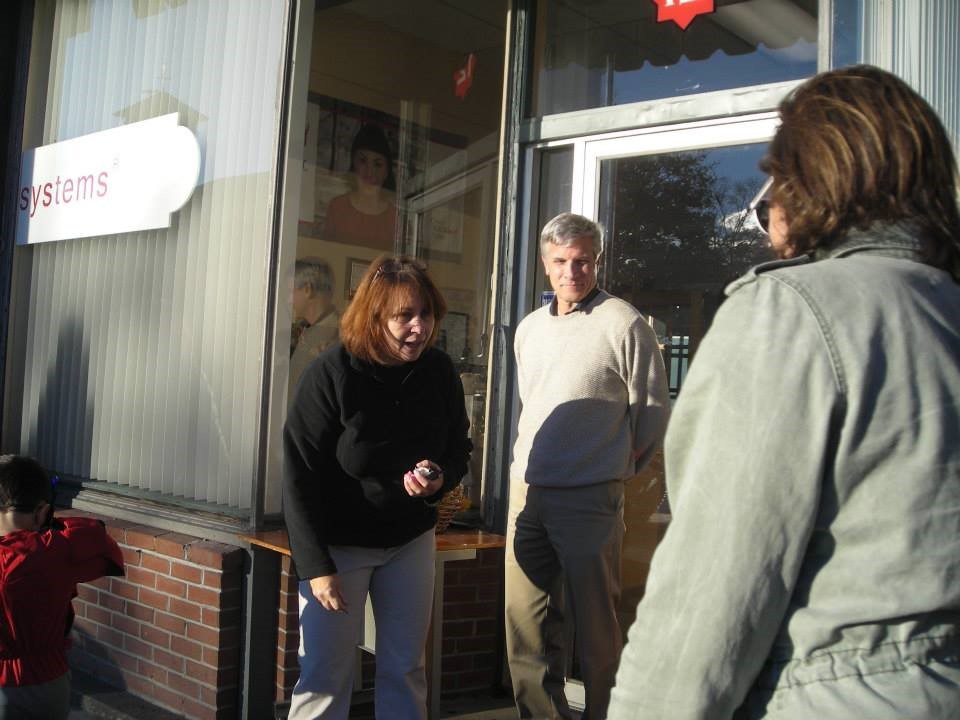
376, 434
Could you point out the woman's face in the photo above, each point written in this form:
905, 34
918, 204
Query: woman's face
370, 167
409, 330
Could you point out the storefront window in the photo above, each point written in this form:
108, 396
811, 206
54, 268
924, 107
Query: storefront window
590, 55
401, 154
136, 359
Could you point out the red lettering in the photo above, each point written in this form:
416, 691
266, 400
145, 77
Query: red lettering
83, 187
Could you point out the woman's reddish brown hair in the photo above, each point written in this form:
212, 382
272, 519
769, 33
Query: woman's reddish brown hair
387, 286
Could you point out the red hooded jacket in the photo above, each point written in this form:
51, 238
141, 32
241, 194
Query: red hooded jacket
39, 571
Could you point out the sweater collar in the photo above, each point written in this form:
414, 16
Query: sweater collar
580, 306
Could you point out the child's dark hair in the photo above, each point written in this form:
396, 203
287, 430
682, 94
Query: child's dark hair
24, 484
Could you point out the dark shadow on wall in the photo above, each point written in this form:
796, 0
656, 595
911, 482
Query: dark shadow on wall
61, 437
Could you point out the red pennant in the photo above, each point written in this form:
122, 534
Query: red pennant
682, 12
463, 78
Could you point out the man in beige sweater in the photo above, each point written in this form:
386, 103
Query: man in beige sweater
594, 408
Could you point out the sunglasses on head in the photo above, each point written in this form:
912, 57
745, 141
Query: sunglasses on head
760, 206
393, 267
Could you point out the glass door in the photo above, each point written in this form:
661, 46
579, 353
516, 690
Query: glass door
673, 206
672, 202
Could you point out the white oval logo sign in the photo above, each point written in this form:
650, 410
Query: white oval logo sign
120, 180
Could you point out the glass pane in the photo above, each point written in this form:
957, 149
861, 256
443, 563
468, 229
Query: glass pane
556, 193
612, 52
401, 148
677, 232
135, 359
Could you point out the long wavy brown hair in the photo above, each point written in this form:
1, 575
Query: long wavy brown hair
857, 146
387, 286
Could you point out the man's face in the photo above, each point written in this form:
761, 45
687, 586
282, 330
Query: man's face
572, 270
300, 298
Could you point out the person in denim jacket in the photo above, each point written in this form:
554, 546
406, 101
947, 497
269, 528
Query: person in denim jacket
812, 566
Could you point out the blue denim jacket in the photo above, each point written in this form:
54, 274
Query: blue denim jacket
812, 566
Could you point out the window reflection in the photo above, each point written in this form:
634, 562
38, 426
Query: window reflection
677, 233
614, 52
400, 155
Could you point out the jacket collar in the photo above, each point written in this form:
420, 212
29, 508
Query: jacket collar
895, 240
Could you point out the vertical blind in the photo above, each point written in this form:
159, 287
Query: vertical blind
920, 42
137, 359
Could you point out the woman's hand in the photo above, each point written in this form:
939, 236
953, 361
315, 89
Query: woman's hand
326, 589
418, 483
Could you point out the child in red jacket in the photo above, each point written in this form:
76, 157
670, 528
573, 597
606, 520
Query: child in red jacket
42, 558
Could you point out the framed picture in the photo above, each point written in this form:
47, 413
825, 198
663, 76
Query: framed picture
355, 270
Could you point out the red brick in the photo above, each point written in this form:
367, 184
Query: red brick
126, 624
221, 657
98, 615
190, 573
141, 577
203, 596
169, 660
184, 609
124, 589
459, 594
140, 612
171, 587
84, 626
153, 636
112, 602
174, 545
202, 634
126, 662
215, 555
152, 671
157, 563
109, 636
184, 686
187, 648
154, 599
88, 594
171, 623
142, 537
458, 629
131, 556
137, 647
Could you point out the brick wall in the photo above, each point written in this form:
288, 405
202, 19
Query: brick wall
170, 631
472, 620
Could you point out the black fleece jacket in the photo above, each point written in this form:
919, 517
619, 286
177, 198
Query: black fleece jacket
353, 429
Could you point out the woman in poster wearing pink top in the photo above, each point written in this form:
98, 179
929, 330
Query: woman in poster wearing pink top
367, 215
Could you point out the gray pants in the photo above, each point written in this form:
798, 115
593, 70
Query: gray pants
46, 701
400, 583
563, 559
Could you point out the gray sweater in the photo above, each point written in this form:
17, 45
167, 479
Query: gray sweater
594, 394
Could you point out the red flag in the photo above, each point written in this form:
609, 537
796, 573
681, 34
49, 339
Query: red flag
463, 78
682, 12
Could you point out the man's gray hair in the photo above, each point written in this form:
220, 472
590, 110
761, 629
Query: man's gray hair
314, 272
566, 228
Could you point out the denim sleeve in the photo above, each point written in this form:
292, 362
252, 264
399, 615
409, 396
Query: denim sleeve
745, 455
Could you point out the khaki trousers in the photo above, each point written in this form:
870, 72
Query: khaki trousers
563, 561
